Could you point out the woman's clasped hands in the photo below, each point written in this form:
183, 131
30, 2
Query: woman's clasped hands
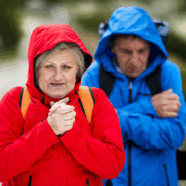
61, 116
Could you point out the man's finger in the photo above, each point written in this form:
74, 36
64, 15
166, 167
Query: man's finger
172, 114
172, 96
168, 91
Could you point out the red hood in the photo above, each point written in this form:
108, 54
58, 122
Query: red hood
44, 38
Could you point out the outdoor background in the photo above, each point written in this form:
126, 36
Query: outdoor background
18, 18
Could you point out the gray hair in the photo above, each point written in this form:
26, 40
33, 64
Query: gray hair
40, 59
115, 38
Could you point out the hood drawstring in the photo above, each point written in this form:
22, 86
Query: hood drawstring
42, 99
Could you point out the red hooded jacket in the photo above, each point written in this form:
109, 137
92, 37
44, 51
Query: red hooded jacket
31, 153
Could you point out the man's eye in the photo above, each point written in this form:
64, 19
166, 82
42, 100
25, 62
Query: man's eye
141, 51
127, 51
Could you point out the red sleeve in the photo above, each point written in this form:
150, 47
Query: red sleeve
18, 152
103, 152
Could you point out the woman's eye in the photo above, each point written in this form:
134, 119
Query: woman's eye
48, 66
67, 67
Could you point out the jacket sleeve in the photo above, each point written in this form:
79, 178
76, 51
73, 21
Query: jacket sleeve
91, 76
145, 128
102, 153
18, 152
142, 106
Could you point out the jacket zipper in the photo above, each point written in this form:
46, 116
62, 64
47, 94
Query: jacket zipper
87, 182
130, 143
166, 175
30, 180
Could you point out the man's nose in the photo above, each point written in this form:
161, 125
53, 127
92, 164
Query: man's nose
134, 57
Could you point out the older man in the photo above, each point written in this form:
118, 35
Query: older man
153, 125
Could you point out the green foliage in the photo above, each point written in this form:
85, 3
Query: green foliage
176, 45
86, 21
91, 23
183, 74
181, 6
10, 31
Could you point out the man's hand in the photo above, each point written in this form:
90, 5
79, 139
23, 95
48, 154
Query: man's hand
166, 104
61, 117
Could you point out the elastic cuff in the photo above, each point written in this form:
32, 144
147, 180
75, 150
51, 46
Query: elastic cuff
70, 136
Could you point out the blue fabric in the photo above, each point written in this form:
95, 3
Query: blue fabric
155, 139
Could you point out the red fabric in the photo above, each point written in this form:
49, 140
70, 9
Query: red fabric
30, 148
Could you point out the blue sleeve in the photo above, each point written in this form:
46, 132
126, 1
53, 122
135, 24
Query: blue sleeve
149, 132
141, 106
91, 76
145, 128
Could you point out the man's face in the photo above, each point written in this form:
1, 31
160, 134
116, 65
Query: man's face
132, 55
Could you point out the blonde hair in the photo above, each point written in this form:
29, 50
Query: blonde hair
39, 60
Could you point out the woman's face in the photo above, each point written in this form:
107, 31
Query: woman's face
57, 75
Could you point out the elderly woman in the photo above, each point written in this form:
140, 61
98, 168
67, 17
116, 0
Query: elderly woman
54, 144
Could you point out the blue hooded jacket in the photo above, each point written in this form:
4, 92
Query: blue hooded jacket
154, 139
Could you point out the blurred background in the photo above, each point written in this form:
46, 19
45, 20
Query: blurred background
18, 18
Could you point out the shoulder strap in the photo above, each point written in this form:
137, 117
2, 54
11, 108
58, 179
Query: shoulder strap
106, 80
24, 101
85, 94
153, 81
87, 100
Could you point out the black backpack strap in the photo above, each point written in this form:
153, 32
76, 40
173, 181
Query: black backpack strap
81, 105
21, 97
109, 183
30, 181
92, 95
153, 81
106, 80
180, 155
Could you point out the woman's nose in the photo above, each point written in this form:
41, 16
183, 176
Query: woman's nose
58, 75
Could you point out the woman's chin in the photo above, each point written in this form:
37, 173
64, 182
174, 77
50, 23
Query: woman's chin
56, 95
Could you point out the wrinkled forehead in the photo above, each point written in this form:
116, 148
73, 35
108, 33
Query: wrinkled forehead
128, 40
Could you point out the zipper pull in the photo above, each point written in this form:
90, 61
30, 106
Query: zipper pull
130, 91
130, 85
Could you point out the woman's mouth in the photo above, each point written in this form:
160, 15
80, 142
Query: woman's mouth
57, 84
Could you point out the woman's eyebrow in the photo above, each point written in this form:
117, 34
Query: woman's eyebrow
48, 62
53, 62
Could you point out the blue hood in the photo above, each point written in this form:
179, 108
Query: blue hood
131, 21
